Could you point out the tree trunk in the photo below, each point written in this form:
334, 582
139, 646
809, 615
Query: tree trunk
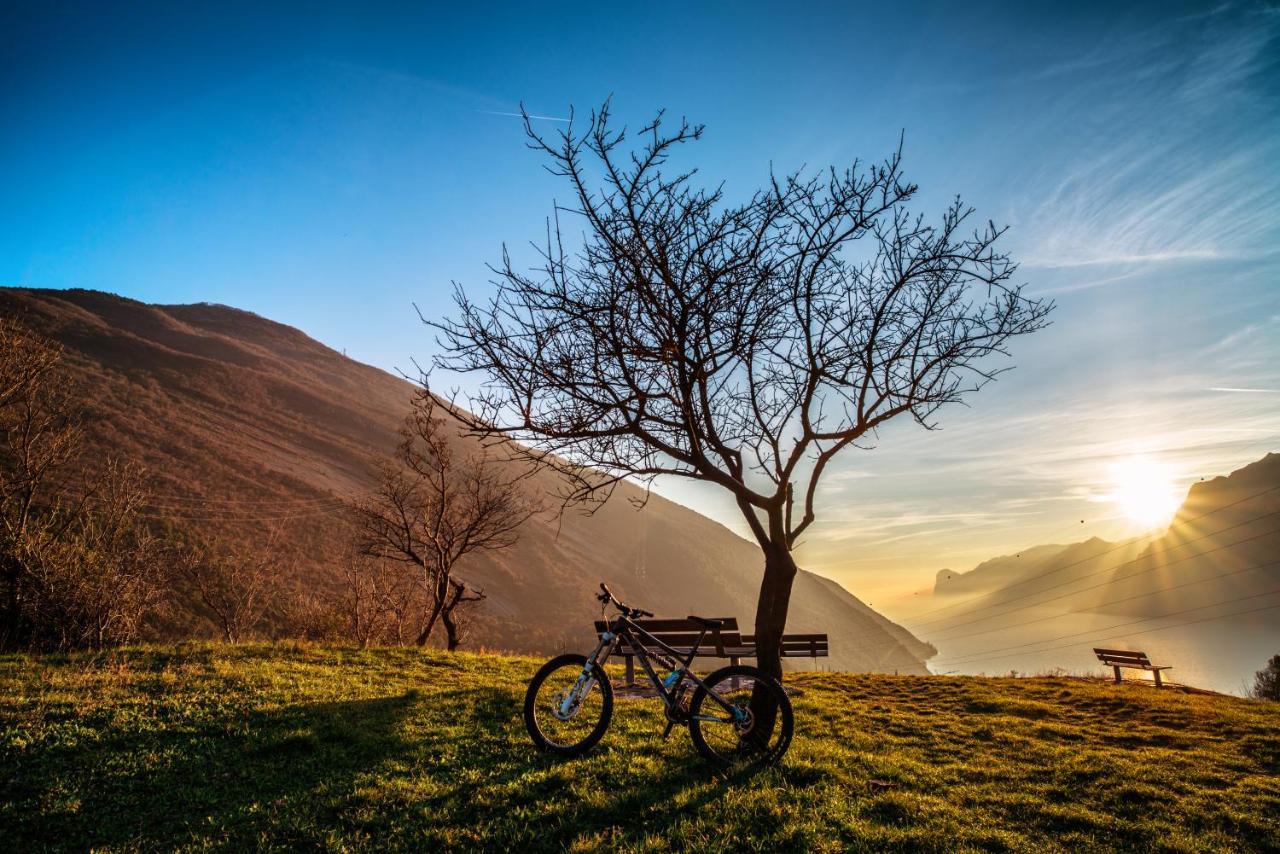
425, 635
452, 634
771, 620
771, 608
440, 601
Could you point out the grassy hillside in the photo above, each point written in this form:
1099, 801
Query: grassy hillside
240, 420
205, 746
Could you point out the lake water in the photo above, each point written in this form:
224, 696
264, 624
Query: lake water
1221, 655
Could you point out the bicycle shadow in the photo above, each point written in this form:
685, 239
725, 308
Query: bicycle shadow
672, 784
398, 771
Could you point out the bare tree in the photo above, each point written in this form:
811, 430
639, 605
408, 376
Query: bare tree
742, 344
382, 601
77, 566
107, 572
235, 581
40, 439
435, 506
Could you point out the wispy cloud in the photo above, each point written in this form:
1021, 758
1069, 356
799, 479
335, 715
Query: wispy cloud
1246, 390
1166, 174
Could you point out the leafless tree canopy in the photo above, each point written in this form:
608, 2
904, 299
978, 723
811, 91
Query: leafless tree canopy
77, 567
433, 507
382, 601
745, 344
235, 582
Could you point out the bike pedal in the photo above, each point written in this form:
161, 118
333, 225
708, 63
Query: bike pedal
666, 732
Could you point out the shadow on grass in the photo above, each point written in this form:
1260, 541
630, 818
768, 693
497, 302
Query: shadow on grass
405, 771
229, 778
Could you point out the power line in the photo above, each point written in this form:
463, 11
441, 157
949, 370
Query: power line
258, 517
991, 653
1116, 548
253, 510
1112, 570
1130, 562
180, 499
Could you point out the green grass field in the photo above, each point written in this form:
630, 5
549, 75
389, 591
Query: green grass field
301, 747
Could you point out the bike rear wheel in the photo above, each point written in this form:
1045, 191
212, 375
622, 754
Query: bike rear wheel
566, 709
755, 730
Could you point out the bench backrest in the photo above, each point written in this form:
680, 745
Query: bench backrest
1123, 657
814, 646
683, 634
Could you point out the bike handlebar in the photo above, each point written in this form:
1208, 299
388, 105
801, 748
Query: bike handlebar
606, 596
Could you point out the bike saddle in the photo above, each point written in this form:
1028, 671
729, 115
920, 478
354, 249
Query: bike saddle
706, 622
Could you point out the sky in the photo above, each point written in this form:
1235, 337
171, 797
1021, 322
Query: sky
332, 167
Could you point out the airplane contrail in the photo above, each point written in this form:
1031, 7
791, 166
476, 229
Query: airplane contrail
518, 116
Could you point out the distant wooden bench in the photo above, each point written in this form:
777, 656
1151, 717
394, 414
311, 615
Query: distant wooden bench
1133, 659
725, 642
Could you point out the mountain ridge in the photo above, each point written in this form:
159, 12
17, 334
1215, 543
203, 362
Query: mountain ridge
229, 410
1222, 532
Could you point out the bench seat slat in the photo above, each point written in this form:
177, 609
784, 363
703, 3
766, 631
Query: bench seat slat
690, 638
725, 642
658, 626
1130, 659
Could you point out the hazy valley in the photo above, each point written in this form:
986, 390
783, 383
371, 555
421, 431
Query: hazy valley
1201, 595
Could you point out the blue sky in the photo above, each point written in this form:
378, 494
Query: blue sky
329, 166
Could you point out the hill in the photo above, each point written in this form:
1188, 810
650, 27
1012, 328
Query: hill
1220, 547
989, 580
1200, 595
303, 747
243, 422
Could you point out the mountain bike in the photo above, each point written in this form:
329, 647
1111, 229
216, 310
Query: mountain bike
736, 715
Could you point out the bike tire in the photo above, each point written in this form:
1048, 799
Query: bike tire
541, 740
702, 732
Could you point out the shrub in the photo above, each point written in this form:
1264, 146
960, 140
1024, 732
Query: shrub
1266, 684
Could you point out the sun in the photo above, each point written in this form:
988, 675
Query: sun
1144, 491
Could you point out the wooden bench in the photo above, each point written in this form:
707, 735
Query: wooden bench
723, 643
682, 635
1117, 658
793, 646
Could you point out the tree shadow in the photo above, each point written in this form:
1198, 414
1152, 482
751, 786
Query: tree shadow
225, 778
404, 771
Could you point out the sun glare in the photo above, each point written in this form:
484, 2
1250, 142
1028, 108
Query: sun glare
1144, 491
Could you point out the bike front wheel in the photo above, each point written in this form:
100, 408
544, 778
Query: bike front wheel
568, 707
741, 715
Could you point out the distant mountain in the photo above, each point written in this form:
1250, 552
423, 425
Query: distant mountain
1223, 544
242, 421
994, 573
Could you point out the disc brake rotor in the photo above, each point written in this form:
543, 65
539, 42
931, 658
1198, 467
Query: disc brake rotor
557, 703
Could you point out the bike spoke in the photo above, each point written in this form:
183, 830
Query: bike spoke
753, 732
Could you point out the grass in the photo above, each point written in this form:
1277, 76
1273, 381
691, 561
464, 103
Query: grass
289, 746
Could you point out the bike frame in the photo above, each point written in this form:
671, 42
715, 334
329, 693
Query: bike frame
623, 628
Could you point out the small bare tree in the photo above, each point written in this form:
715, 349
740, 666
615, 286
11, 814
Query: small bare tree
233, 580
78, 568
382, 601
434, 506
107, 572
39, 439
745, 345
